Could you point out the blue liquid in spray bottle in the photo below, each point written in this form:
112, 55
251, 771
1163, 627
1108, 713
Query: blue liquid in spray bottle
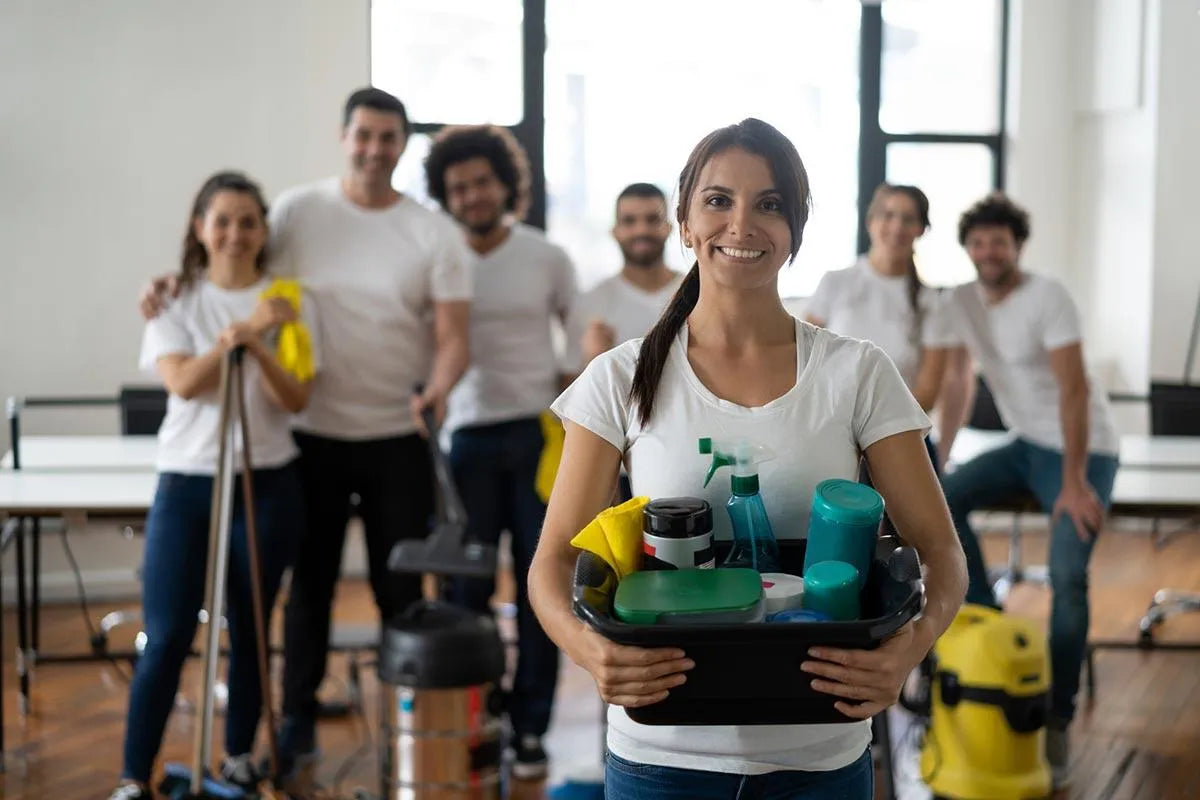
754, 544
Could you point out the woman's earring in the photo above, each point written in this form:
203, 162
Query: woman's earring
687, 243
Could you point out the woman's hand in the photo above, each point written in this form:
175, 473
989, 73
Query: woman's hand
270, 312
239, 334
629, 676
871, 678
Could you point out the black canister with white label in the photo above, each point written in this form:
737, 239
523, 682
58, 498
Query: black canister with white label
677, 534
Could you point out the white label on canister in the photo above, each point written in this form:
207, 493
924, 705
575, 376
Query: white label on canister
694, 552
782, 592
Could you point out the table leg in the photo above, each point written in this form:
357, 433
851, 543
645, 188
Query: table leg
35, 606
22, 622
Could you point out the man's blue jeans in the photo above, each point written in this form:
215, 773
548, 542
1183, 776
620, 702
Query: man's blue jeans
173, 576
1023, 466
626, 779
495, 467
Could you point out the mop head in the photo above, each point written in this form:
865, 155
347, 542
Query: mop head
177, 785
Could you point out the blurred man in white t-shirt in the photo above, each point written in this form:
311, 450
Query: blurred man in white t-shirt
524, 288
626, 305
1023, 330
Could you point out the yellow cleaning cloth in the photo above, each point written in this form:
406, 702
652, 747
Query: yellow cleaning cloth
616, 536
547, 468
294, 350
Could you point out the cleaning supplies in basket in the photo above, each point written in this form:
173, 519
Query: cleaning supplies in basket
677, 534
615, 535
844, 525
690, 596
754, 544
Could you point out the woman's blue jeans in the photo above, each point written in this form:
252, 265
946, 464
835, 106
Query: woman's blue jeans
173, 577
624, 780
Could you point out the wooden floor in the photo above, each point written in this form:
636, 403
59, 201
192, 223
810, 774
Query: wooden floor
1140, 739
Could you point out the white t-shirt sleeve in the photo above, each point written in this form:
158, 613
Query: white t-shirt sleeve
566, 290
453, 264
165, 335
598, 399
883, 404
937, 329
1060, 317
819, 304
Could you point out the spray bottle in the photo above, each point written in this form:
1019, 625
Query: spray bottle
754, 544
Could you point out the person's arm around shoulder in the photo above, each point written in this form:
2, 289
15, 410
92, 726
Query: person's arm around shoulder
625, 676
157, 294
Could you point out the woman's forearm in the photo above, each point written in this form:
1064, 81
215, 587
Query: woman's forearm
191, 376
550, 578
284, 389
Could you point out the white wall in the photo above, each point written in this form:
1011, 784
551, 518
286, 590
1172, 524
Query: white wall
1176, 189
112, 114
1103, 152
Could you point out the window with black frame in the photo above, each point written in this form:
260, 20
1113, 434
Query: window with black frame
608, 93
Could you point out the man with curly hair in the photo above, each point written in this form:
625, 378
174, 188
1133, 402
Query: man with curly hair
1024, 331
524, 288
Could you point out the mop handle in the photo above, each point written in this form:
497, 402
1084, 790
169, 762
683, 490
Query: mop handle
256, 591
220, 514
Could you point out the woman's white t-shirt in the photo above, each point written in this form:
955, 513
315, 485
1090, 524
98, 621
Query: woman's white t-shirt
189, 437
847, 396
859, 302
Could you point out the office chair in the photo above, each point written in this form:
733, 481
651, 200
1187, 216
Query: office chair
1174, 411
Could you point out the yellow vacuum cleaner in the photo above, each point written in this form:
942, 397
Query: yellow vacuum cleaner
986, 735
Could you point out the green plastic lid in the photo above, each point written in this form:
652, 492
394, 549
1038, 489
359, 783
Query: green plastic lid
642, 597
847, 502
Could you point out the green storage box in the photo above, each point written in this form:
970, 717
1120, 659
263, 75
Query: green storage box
690, 597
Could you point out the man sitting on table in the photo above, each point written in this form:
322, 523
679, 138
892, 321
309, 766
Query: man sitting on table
1024, 331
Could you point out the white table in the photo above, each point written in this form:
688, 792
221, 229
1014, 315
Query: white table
75, 477
1137, 451
85, 453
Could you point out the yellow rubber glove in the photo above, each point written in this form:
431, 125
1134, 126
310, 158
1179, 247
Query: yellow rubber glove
616, 536
547, 468
294, 350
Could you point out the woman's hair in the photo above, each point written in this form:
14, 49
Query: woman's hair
915, 285
995, 209
195, 255
454, 145
791, 181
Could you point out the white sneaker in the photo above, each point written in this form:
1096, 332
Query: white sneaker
131, 791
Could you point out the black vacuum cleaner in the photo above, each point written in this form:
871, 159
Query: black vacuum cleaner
196, 781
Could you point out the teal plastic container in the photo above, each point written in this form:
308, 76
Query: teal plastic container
844, 525
831, 588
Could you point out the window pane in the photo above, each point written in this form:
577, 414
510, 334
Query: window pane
409, 176
453, 61
941, 66
616, 118
953, 176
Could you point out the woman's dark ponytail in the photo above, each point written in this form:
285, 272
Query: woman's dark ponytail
657, 344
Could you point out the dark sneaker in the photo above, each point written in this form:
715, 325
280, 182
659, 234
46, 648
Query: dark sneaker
1058, 753
530, 763
240, 771
131, 791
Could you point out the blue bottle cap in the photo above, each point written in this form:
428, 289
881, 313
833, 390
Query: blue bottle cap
847, 502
